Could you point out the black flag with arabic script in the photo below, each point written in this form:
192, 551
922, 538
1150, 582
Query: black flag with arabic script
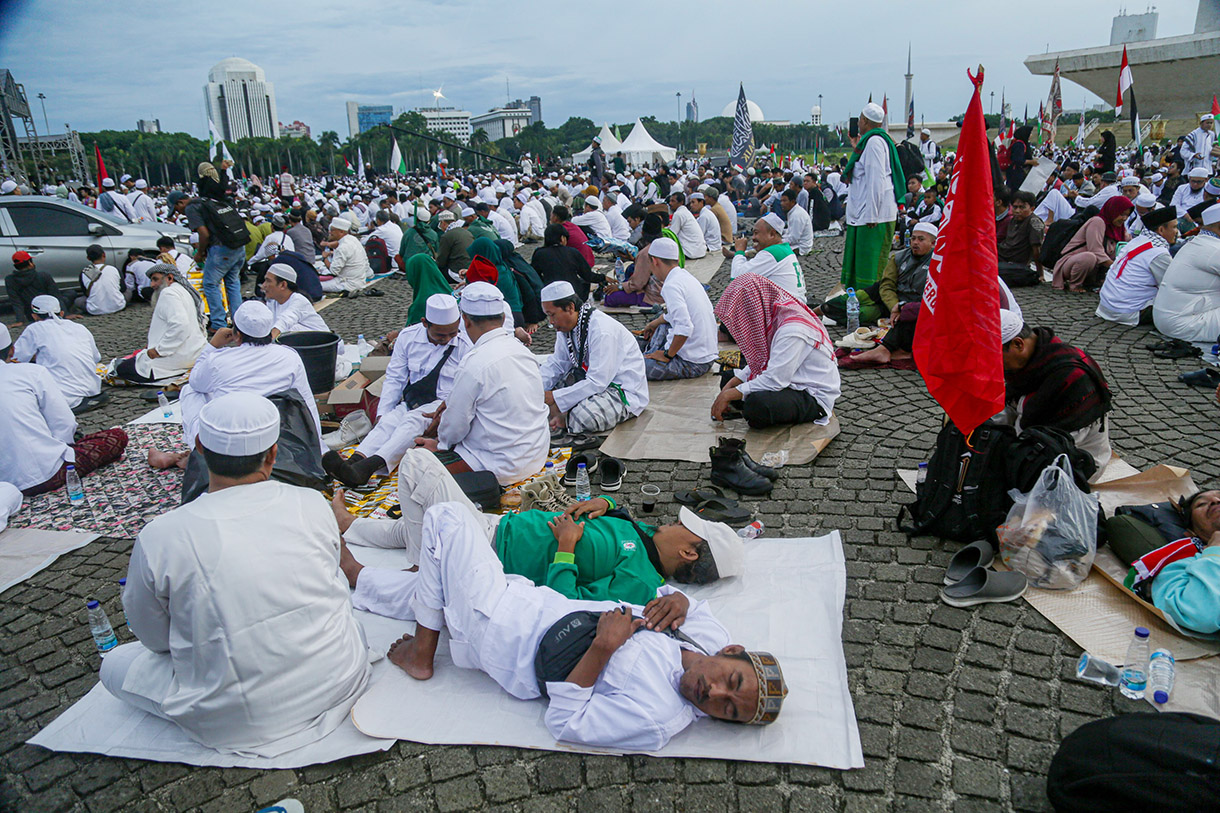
741, 154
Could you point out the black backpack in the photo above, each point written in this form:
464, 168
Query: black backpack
910, 160
1035, 449
379, 256
965, 494
1060, 232
225, 224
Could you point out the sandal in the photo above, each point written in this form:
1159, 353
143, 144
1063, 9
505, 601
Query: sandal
693, 498
1207, 377
723, 510
1187, 352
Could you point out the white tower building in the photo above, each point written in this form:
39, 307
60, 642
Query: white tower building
240, 101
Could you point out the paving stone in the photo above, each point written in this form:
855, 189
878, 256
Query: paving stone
458, 794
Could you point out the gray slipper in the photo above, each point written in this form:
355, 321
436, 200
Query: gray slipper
982, 586
976, 554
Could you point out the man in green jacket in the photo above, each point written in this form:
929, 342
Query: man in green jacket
582, 553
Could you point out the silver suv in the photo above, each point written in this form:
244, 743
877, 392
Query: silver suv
56, 233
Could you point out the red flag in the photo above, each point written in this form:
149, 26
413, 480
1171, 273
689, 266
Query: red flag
1215, 106
1124, 82
101, 166
957, 338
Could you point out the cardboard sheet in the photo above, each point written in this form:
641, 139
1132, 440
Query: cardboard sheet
1157, 484
790, 602
705, 268
25, 551
677, 425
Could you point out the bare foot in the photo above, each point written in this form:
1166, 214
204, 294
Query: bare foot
900, 355
879, 354
167, 460
406, 654
342, 515
348, 564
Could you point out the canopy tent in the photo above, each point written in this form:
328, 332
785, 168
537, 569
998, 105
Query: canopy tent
610, 145
640, 148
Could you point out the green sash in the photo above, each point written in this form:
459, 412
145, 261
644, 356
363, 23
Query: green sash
900, 181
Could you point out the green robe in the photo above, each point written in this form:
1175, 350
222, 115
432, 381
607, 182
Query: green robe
482, 227
425, 279
419, 239
486, 248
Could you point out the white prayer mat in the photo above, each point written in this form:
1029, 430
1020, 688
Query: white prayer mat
100, 723
706, 267
789, 602
155, 415
25, 551
677, 425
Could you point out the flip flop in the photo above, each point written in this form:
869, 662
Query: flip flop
693, 498
723, 510
1187, 352
1209, 377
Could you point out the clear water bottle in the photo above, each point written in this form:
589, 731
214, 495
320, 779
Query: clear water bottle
99, 625
1095, 670
362, 346
583, 490
166, 410
921, 474
853, 311
1135, 666
1160, 675
76, 491
620, 270
752, 531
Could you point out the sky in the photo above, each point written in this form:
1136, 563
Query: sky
625, 61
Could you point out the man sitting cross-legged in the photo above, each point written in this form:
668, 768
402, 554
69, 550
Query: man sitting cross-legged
636, 685
595, 378
681, 343
246, 635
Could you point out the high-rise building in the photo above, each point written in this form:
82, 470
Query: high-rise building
298, 129
692, 109
447, 121
240, 101
361, 117
503, 122
535, 104
148, 125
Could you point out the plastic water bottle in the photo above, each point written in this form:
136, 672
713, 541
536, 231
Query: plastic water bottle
921, 474
1160, 675
362, 346
76, 491
752, 531
1135, 666
166, 410
620, 270
853, 311
1095, 670
99, 625
583, 490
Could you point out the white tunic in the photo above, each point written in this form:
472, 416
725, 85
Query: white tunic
495, 416
350, 264
1184, 198
727, 204
35, 419
1132, 281
619, 227
614, 358
264, 369
1054, 207
870, 195
413, 358
1196, 150
136, 274
690, 236
247, 638
1187, 304
506, 227
689, 313
799, 233
296, 314
796, 363
710, 227
272, 245
143, 207
175, 333
784, 270
67, 350
533, 218
596, 222
106, 294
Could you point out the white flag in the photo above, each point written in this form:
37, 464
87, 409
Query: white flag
397, 165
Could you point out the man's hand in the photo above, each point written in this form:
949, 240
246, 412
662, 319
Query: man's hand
524, 337
722, 402
567, 532
740, 243
153, 354
660, 356
431, 444
894, 315
589, 509
614, 628
666, 612
224, 337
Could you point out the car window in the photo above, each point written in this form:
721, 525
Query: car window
48, 221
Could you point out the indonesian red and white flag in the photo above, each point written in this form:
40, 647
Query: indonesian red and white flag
957, 337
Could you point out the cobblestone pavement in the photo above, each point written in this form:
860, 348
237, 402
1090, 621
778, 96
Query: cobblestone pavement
958, 709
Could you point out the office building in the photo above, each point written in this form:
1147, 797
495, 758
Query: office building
240, 101
362, 117
503, 122
692, 109
447, 121
148, 125
298, 129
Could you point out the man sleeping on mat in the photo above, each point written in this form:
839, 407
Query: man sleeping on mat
617, 676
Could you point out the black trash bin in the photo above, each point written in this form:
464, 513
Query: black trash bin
319, 351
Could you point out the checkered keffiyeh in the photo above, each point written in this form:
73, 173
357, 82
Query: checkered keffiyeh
771, 687
753, 308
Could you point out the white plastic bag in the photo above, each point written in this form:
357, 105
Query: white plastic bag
1051, 533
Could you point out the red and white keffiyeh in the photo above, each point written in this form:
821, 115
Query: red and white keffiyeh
753, 308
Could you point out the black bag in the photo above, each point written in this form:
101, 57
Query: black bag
1060, 232
298, 460
225, 224
531, 296
563, 645
965, 494
1016, 275
910, 159
1162, 761
481, 487
1035, 449
379, 256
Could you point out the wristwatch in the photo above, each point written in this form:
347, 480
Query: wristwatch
669, 357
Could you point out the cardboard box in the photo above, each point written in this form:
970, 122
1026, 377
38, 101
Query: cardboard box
346, 397
374, 367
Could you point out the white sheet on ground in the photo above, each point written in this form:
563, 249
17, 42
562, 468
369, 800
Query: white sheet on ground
100, 723
790, 602
155, 415
25, 551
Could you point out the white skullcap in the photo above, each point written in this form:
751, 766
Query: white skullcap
1010, 325
926, 131
597, 138
1198, 172
663, 248
46, 305
558, 290
1157, 177
125, 178
446, 216
1128, 180
1206, 117
1211, 215
523, 196
467, 211
481, 299
696, 196
925, 228
283, 271
774, 221
341, 223
728, 549
5, 338
442, 309
254, 319
592, 200
239, 424
107, 182
1145, 199
141, 184
873, 112
449, 195
7, 186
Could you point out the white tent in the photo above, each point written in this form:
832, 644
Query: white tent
640, 148
610, 145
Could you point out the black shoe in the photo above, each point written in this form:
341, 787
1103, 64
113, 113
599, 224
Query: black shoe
612, 473
590, 461
730, 470
331, 463
754, 466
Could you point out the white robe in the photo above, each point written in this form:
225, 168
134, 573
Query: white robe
246, 635
349, 265
175, 333
67, 350
1131, 282
105, 294
870, 195
142, 206
296, 314
785, 272
799, 231
690, 236
596, 222
1187, 304
35, 419
796, 363
689, 313
614, 358
1196, 150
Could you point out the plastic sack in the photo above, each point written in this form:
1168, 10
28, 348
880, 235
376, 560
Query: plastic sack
1051, 532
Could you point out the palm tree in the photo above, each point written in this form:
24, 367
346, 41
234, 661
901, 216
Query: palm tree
330, 141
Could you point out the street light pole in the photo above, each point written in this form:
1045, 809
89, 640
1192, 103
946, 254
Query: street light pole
991, 109
42, 98
679, 95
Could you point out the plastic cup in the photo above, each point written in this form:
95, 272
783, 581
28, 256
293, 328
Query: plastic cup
650, 493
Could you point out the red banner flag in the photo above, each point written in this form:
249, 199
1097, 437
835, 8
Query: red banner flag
957, 338
1215, 106
101, 166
